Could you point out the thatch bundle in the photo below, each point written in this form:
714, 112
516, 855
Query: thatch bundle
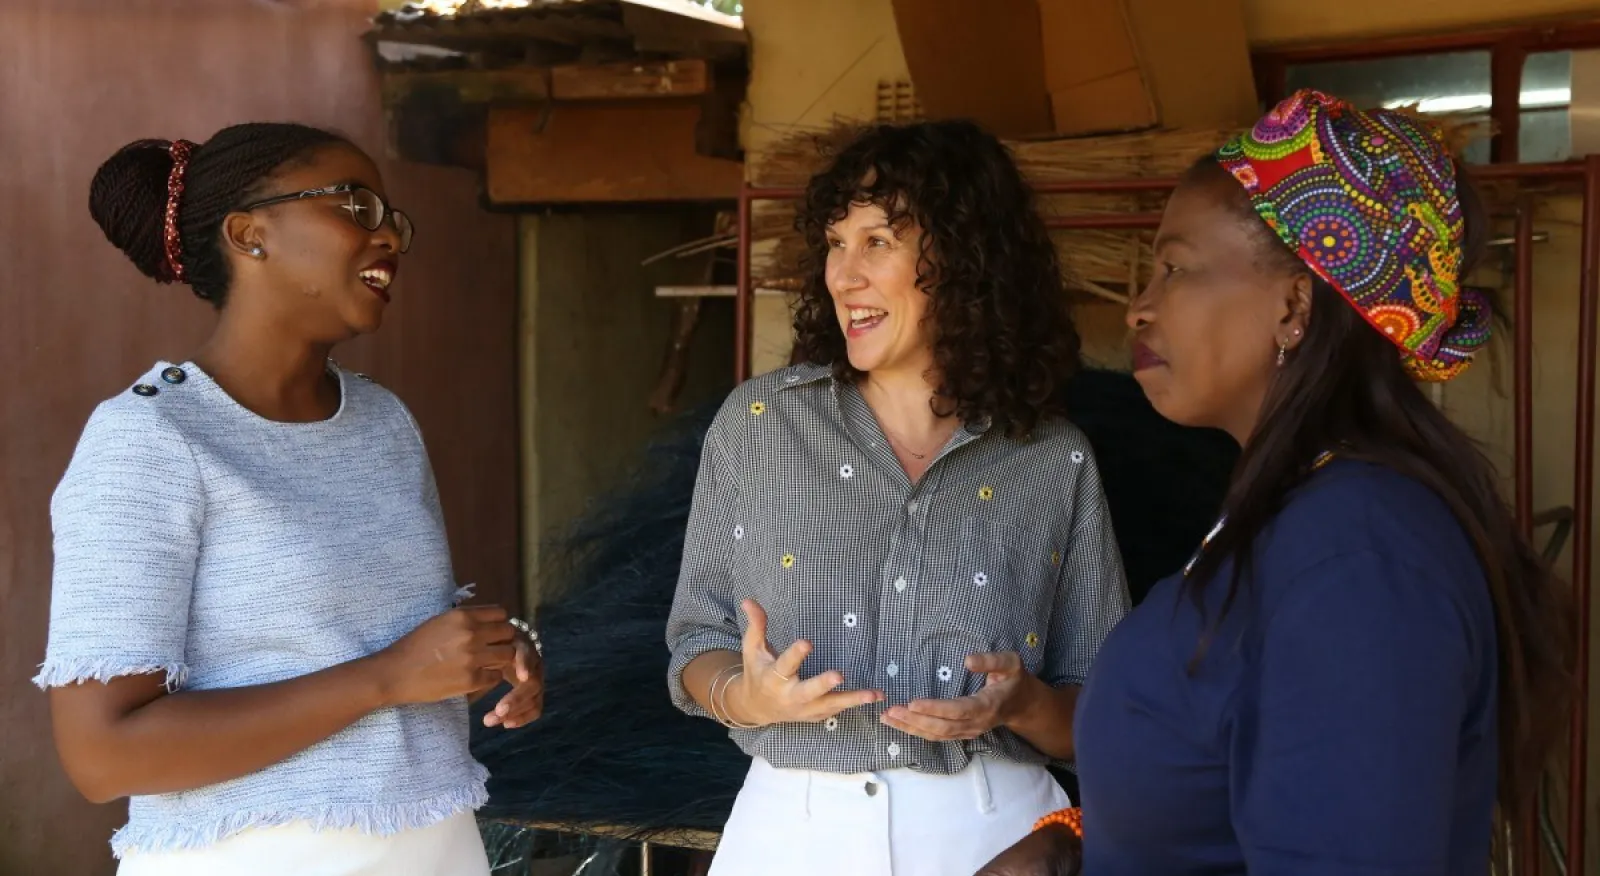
1095, 260
1102, 263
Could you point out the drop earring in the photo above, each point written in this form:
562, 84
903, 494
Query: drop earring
1283, 352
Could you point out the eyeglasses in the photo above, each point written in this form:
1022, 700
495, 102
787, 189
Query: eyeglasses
365, 207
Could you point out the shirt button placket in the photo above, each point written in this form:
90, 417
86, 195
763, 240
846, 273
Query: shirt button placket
899, 613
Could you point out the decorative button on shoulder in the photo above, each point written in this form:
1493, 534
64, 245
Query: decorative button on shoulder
145, 390
174, 375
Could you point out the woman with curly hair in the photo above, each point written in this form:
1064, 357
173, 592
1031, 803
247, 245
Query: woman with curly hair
899, 562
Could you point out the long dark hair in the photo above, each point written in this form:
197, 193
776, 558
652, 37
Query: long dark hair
1345, 388
1004, 341
128, 196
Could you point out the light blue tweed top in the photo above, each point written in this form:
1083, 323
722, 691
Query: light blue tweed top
197, 539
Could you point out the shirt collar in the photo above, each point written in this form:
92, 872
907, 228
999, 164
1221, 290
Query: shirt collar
807, 374
804, 375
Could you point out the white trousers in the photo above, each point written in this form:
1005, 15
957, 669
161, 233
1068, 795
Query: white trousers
892, 823
450, 848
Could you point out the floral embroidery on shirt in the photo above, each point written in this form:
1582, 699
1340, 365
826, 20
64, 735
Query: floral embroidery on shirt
986, 493
980, 579
847, 471
758, 408
788, 561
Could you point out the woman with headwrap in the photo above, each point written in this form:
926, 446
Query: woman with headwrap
1364, 663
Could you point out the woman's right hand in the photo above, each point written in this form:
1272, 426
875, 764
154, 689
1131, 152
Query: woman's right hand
770, 690
454, 654
1052, 850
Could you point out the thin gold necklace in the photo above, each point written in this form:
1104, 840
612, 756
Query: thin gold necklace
902, 445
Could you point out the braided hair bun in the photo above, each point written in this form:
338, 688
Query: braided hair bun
128, 196
128, 200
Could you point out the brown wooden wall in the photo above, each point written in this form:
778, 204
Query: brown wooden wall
78, 78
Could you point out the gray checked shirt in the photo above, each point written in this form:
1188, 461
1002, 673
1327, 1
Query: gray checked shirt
801, 505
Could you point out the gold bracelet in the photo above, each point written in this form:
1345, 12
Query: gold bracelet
725, 711
711, 694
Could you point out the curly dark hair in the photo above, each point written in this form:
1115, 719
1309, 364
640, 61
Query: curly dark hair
1003, 340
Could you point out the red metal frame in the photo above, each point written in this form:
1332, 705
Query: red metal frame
1509, 47
1587, 172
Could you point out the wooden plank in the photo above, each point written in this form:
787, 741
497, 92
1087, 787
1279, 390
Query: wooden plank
603, 152
533, 85
709, 291
525, 85
684, 838
685, 78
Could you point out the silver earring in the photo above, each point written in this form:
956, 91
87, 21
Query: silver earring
258, 252
1283, 352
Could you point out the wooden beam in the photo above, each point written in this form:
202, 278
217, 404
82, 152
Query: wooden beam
685, 78
599, 152
535, 85
524, 85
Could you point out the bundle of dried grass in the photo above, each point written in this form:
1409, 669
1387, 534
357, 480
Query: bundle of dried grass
1104, 264
1097, 262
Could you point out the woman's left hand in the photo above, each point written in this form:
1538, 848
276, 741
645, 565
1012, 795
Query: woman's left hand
1005, 694
525, 701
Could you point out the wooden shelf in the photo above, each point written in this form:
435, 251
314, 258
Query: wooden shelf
710, 292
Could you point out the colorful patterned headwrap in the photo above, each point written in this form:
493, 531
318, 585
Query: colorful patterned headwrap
1368, 201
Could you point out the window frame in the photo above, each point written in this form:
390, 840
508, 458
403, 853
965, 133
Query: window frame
1508, 47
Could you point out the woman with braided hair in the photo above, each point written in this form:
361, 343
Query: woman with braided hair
252, 630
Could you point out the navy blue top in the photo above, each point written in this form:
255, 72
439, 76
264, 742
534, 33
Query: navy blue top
1342, 721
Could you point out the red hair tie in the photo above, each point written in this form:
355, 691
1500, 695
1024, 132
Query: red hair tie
180, 150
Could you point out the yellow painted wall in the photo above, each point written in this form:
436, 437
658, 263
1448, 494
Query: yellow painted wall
592, 340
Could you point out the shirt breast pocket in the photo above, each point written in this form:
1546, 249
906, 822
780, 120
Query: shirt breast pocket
999, 596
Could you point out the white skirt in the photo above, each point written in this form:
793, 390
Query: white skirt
450, 848
892, 823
